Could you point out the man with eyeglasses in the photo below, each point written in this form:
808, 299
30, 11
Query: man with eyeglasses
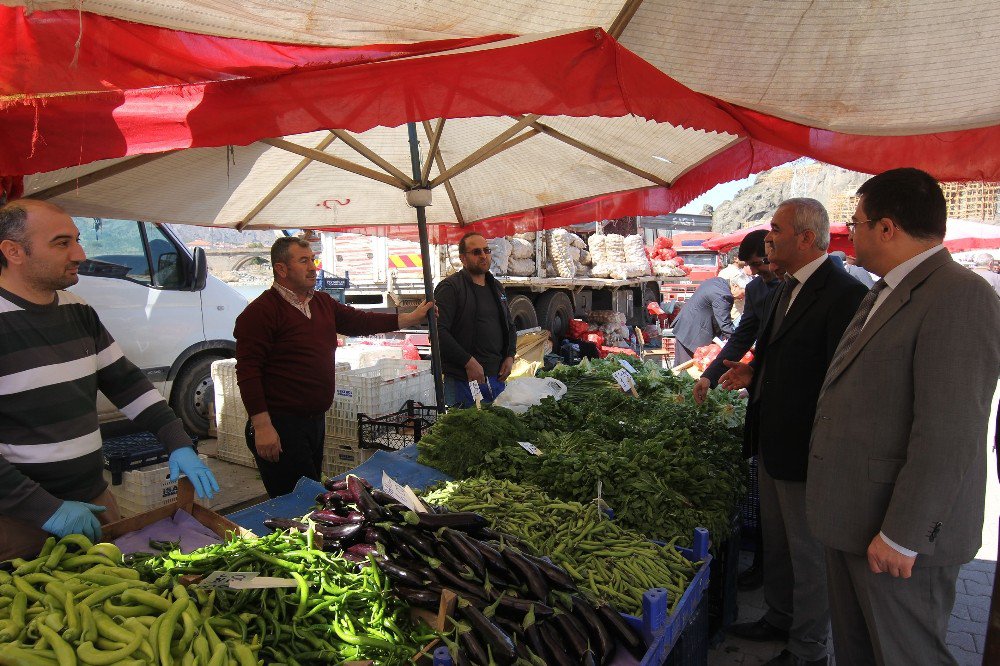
897, 470
475, 329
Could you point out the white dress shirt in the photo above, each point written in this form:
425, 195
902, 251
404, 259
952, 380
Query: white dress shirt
802, 275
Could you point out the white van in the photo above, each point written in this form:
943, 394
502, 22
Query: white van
170, 317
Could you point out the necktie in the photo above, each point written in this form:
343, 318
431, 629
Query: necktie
783, 301
854, 328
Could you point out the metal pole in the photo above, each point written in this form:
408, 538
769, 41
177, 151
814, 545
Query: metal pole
425, 256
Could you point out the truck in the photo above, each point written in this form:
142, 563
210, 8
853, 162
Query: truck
169, 316
387, 273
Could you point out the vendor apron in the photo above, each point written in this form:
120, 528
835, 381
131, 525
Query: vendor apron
21, 539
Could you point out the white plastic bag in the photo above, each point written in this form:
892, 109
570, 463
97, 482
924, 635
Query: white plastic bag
521, 394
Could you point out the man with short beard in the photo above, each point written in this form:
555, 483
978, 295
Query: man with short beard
54, 356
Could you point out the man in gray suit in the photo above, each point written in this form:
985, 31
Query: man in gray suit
897, 469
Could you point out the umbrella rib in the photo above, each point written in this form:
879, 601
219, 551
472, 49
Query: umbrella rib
99, 175
365, 151
435, 139
590, 150
333, 161
279, 188
624, 17
496, 145
435, 153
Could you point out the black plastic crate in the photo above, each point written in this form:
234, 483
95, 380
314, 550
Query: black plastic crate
750, 511
128, 452
720, 601
395, 431
691, 649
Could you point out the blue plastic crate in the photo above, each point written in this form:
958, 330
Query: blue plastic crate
659, 629
134, 451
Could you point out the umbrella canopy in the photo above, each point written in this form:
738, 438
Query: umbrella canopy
139, 89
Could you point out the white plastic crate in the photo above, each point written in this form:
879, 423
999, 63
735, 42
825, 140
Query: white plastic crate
376, 391
230, 415
149, 488
341, 456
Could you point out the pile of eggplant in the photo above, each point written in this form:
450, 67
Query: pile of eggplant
512, 608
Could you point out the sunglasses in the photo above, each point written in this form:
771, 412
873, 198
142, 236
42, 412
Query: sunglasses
480, 251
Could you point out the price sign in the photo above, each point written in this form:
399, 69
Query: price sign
530, 448
400, 494
624, 380
477, 393
224, 578
627, 366
262, 583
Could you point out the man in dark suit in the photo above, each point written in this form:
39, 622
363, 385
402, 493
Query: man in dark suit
703, 317
803, 325
897, 469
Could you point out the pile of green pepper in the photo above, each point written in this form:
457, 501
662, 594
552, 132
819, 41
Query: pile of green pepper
605, 559
337, 612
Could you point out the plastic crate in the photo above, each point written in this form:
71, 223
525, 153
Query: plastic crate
376, 391
691, 648
341, 456
395, 431
662, 631
134, 451
720, 601
150, 488
750, 511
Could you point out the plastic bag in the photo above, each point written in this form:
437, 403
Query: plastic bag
521, 394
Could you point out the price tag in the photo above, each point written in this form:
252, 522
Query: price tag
530, 448
477, 393
624, 379
262, 583
224, 578
400, 494
627, 366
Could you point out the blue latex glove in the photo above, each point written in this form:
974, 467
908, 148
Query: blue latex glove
75, 518
185, 461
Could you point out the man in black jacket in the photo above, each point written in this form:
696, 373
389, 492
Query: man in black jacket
476, 331
805, 320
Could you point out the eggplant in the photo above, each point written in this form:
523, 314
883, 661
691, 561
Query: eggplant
400, 573
382, 497
327, 517
553, 641
601, 641
363, 549
330, 499
589, 658
427, 572
285, 524
374, 534
335, 484
573, 633
459, 584
517, 607
452, 561
514, 630
494, 560
555, 573
473, 648
372, 510
409, 537
527, 573
463, 547
460, 520
501, 644
355, 485
339, 537
356, 559
621, 629
419, 598
533, 635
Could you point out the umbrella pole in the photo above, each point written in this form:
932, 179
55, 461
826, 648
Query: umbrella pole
425, 256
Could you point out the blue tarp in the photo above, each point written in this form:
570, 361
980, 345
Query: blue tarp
400, 465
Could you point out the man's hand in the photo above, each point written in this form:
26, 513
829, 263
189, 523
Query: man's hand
883, 558
265, 437
700, 390
185, 461
75, 518
739, 376
417, 316
474, 371
505, 368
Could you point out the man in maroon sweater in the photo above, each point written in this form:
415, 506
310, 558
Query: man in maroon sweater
285, 345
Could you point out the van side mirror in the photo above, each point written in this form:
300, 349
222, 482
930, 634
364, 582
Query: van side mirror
199, 270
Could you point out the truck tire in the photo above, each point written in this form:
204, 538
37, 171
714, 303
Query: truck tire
522, 312
555, 311
193, 393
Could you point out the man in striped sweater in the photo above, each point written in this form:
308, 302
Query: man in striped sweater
54, 356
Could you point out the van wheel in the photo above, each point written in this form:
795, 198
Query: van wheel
523, 313
555, 311
193, 393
